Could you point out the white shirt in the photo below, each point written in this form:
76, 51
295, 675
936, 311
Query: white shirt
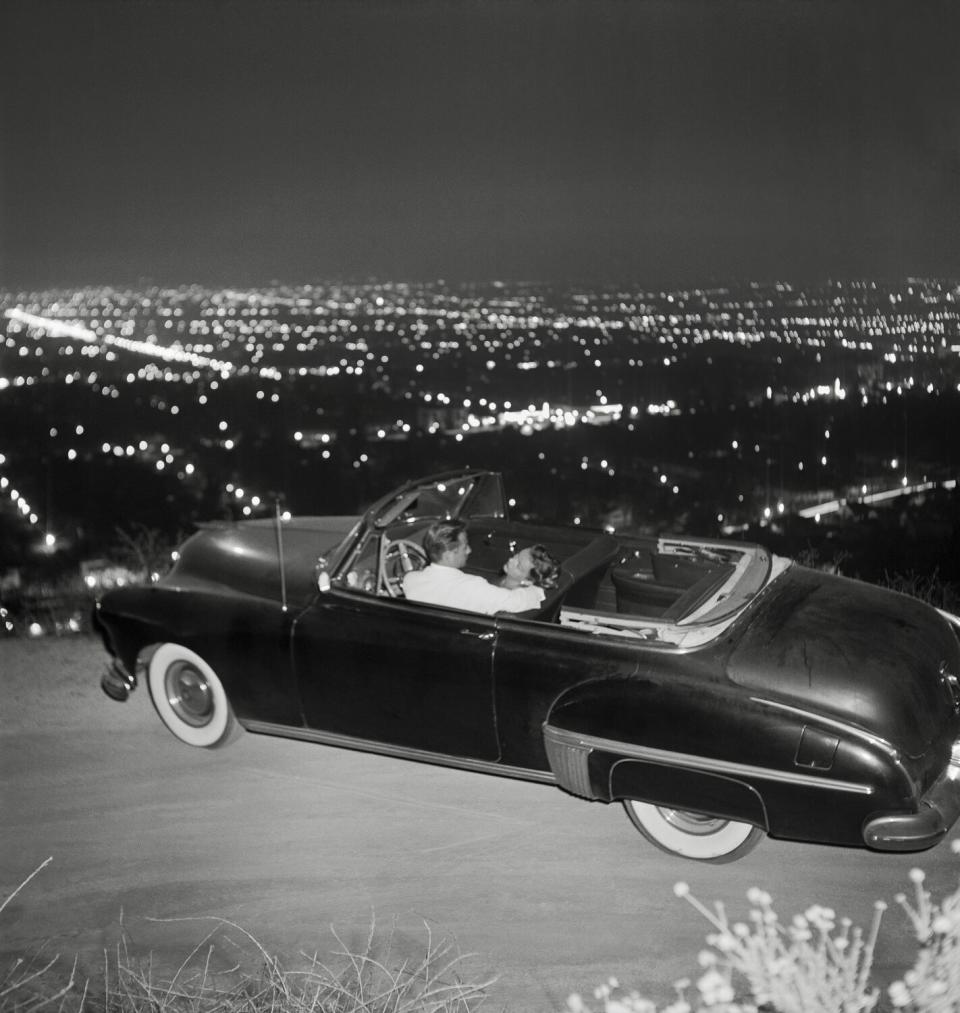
446, 585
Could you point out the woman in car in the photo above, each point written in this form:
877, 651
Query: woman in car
533, 566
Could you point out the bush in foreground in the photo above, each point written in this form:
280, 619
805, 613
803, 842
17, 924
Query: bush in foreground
816, 964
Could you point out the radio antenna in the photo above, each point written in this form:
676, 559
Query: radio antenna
283, 569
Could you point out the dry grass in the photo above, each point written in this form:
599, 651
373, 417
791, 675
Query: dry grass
369, 981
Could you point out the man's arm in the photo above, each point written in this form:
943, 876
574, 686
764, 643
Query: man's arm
478, 595
458, 590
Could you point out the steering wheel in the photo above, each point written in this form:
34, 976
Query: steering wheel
398, 559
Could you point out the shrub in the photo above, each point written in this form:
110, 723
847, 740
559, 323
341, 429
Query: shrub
816, 964
932, 985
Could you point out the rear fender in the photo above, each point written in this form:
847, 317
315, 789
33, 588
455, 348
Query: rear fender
604, 770
694, 743
696, 791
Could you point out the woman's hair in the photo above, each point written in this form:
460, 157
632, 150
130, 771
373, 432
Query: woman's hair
441, 537
544, 568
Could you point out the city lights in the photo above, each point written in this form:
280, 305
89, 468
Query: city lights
193, 386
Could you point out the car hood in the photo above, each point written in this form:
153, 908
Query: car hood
855, 652
244, 557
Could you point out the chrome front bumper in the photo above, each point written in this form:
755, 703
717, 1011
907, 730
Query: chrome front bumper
939, 810
117, 682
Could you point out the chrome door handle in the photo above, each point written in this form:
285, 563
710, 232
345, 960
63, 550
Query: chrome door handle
479, 636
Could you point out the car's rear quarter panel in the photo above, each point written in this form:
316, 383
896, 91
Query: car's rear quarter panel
679, 732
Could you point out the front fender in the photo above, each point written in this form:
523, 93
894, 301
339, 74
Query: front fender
246, 640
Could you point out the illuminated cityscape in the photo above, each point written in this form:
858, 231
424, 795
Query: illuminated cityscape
762, 411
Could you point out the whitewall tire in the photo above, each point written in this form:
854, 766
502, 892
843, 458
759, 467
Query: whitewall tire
189, 697
692, 835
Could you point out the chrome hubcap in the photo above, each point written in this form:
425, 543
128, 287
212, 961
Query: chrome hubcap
692, 823
188, 694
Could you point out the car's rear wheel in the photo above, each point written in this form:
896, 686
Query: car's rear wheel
693, 835
189, 697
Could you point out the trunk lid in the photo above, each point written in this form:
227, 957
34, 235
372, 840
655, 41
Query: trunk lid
859, 653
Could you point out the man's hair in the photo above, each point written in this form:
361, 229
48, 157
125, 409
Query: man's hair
544, 568
441, 537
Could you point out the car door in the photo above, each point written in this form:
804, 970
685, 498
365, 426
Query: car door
397, 673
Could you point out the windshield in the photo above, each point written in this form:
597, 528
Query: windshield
439, 499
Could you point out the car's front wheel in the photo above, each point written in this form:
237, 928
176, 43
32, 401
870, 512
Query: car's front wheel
693, 835
189, 697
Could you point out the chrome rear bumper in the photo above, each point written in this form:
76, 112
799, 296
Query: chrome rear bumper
116, 681
939, 810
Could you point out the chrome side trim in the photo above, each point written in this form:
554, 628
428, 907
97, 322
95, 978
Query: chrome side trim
743, 771
951, 618
569, 762
400, 752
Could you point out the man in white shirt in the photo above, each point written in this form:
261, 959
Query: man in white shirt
443, 582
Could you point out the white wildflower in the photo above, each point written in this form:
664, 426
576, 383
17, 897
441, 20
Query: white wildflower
714, 988
822, 918
710, 981
899, 994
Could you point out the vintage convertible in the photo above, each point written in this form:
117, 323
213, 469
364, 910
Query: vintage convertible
719, 692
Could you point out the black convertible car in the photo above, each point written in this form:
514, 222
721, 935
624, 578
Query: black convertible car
718, 691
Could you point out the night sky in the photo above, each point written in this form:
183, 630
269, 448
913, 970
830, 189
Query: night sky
656, 143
